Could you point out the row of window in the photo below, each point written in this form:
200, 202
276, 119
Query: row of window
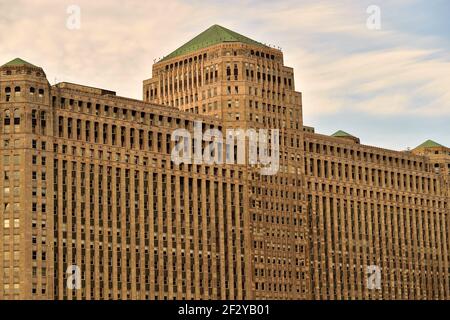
362, 155
382, 178
17, 92
146, 118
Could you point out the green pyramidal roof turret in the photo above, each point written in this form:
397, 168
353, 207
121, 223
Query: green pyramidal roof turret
17, 62
340, 134
430, 144
211, 36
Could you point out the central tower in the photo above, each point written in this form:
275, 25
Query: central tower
244, 83
226, 75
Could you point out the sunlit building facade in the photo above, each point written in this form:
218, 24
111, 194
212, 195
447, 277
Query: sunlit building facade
88, 189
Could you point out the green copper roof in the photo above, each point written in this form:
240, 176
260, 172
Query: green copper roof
211, 36
17, 62
340, 134
430, 144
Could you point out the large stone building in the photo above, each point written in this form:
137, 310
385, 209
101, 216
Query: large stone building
89, 191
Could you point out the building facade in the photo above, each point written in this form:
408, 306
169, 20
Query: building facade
93, 207
376, 208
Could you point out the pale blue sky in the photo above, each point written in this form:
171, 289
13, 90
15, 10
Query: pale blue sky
390, 87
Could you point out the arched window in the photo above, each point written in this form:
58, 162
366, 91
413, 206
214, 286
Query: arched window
41, 93
32, 90
16, 117
17, 91
7, 120
228, 71
8, 93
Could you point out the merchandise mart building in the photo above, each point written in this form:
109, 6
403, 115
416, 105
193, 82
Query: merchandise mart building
87, 180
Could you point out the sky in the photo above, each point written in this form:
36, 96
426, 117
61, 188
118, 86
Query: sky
389, 86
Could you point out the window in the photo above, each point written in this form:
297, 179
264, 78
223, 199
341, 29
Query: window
43, 122
16, 118
8, 93
7, 120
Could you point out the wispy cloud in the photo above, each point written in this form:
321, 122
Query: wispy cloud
391, 81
